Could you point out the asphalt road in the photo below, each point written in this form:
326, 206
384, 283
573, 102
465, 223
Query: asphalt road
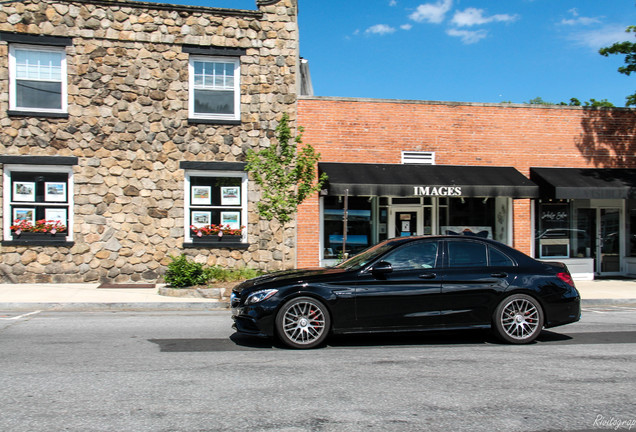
188, 372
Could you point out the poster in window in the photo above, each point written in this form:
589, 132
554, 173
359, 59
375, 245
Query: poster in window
233, 219
201, 195
55, 214
23, 191
24, 214
201, 218
55, 192
231, 195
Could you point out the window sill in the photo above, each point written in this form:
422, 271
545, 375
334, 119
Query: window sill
35, 242
216, 245
15, 113
213, 121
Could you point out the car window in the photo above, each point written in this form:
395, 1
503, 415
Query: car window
498, 259
413, 256
466, 254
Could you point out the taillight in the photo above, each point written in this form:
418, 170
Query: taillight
566, 277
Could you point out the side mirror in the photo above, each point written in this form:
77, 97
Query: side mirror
382, 268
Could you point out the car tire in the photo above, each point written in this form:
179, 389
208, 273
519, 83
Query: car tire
303, 323
518, 319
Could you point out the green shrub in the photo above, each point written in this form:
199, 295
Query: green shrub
230, 275
183, 272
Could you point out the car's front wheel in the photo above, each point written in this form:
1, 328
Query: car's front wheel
303, 322
518, 319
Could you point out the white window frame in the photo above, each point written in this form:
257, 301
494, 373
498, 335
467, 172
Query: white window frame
13, 78
236, 62
7, 216
187, 201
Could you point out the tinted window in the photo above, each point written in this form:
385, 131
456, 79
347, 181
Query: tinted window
466, 254
413, 256
498, 259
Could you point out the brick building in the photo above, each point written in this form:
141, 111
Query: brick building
414, 167
126, 123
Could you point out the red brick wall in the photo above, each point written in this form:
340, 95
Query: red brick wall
377, 131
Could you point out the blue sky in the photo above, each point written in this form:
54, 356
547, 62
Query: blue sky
463, 50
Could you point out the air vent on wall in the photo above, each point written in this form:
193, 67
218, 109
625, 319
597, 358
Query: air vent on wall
417, 157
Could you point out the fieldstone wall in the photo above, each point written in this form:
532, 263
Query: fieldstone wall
128, 126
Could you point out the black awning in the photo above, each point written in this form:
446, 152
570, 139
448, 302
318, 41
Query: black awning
426, 180
585, 183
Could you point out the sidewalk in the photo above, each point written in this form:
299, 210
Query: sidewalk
87, 297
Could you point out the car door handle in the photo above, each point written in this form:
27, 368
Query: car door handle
499, 275
427, 276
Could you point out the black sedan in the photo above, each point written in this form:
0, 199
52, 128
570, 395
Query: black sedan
411, 283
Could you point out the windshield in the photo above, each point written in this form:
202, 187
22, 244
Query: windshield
365, 257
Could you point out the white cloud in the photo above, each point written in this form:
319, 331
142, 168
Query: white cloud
432, 12
473, 16
393, 3
579, 20
406, 26
468, 37
602, 37
380, 29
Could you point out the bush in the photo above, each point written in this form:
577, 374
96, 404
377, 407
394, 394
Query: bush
230, 275
183, 272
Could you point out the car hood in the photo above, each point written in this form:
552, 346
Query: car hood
286, 277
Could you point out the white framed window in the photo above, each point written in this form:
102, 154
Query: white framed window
37, 203
213, 200
214, 88
418, 157
38, 78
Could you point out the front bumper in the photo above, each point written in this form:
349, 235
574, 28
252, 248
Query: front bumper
255, 320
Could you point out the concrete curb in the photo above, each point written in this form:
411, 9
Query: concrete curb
115, 307
197, 306
608, 302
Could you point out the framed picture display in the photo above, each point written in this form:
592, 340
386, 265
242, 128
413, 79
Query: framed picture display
55, 192
233, 219
230, 195
201, 218
55, 214
23, 191
201, 195
24, 214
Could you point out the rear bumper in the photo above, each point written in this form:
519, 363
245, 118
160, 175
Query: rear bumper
565, 312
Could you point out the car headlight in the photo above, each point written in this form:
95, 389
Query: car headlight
259, 296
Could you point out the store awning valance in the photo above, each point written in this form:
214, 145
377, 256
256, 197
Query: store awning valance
364, 179
585, 183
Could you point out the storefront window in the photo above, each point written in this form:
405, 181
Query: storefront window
631, 246
359, 233
473, 216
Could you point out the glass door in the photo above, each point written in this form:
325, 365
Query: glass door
406, 221
609, 240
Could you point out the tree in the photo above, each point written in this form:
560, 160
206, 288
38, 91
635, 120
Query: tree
629, 50
285, 173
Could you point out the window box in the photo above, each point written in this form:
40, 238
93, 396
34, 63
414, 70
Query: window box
40, 236
216, 239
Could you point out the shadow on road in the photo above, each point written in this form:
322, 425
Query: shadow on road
238, 342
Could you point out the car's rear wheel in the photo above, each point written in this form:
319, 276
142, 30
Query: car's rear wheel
518, 319
303, 322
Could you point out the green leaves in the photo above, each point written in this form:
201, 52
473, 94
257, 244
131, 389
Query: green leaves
629, 50
285, 174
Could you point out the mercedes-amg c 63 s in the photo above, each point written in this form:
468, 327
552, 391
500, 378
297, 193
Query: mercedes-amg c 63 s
411, 283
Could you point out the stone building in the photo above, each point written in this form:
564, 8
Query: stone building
125, 126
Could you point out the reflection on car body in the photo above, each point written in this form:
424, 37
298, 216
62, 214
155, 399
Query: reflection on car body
411, 283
